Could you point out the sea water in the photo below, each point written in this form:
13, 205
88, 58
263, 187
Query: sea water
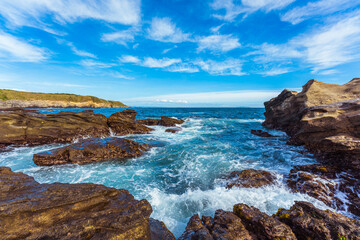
183, 174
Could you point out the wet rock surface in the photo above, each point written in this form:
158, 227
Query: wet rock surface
173, 130
261, 133
249, 178
30, 210
323, 117
303, 221
91, 150
164, 121
123, 123
159, 231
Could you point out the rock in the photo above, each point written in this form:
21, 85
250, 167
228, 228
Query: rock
123, 123
173, 130
323, 117
91, 150
164, 121
264, 226
261, 133
30, 210
159, 231
308, 222
224, 225
33, 128
250, 178
325, 183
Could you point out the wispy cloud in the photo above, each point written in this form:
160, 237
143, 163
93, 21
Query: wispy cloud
218, 43
90, 63
246, 7
159, 63
164, 30
223, 68
183, 67
318, 8
16, 49
75, 50
121, 37
33, 12
129, 59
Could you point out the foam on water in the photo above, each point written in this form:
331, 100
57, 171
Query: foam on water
183, 173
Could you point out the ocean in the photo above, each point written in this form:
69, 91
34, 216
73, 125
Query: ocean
183, 174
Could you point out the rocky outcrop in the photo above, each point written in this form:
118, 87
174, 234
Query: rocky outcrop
323, 117
30, 210
12, 99
308, 222
303, 221
261, 133
90, 151
123, 123
164, 121
159, 231
326, 183
249, 178
173, 130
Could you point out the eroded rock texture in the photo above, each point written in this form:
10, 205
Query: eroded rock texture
123, 123
30, 210
250, 178
164, 121
91, 150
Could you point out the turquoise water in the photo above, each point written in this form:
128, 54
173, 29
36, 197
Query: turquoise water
183, 174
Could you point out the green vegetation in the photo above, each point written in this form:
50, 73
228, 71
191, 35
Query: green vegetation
6, 95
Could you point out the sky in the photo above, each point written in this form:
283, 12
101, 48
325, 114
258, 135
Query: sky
177, 53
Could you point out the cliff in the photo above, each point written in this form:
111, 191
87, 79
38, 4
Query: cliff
15, 99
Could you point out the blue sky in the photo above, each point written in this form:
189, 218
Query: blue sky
178, 53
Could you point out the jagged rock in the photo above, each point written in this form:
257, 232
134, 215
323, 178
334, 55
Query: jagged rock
33, 128
30, 210
323, 117
261, 133
91, 150
164, 121
308, 222
250, 178
323, 183
123, 123
264, 226
159, 231
173, 130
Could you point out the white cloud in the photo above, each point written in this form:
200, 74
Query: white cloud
163, 30
121, 37
33, 12
227, 67
15, 49
159, 63
275, 71
318, 8
218, 43
232, 10
75, 50
183, 67
90, 63
171, 101
129, 59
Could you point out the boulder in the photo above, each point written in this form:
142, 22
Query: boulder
173, 130
30, 210
159, 231
164, 121
123, 123
91, 150
249, 178
308, 222
261, 133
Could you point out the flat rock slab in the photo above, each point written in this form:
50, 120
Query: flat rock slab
249, 178
164, 121
91, 150
173, 130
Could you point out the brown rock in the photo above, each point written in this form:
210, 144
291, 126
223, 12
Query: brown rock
173, 130
164, 121
308, 222
159, 231
250, 178
123, 123
261, 224
30, 210
91, 150
261, 133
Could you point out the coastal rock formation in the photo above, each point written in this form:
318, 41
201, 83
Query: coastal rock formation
303, 221
123, 123
173, 130
323, 117
250, 178
30, 210
326, 183
164, 121
308, 222
13, 99
261, 133
91, 150
159, 231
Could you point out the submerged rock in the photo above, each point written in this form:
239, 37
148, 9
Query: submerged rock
30, 210
123, 123
91, 150
250, 178
308, 222
173, 130
261, 133
164, 121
